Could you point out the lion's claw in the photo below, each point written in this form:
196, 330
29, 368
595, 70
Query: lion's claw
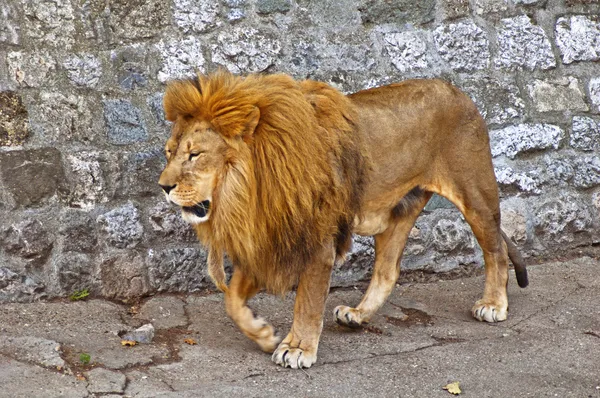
489, 312
295, 358
346, 316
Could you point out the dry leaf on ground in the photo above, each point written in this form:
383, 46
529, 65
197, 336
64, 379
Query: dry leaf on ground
128, 343
453, 388
190, 341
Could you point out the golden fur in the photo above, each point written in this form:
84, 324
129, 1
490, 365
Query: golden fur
292, 177
278, 174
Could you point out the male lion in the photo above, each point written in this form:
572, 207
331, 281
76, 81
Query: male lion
278, 174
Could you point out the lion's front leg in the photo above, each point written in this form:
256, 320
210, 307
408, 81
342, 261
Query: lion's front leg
240, 290
299, 348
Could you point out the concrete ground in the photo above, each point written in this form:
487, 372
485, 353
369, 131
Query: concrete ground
423, 339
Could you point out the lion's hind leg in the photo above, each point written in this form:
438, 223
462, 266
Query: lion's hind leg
481, 209
389, 246
240, 290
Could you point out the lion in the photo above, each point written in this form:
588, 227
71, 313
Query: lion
278, 174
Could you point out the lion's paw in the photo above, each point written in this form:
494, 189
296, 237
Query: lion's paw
264, 335
489, 312
295, 358
347, 316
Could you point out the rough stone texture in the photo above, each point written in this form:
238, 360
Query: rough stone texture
272, 6
197, 16
124, 276
144, 334
181, 58
50, 23
62, 117
122, 226
10, 31
586, 133
31, 70
489, 6
102, 381
594, 90
124, 122
578, 38
463, 45
34, 350
407, 50
558, 220
178, 270
499, 101
245, 50
14, 123
32, 177
513, 140
28, 239
82, 129
166, 221
83, 70
557, 95
76, 227
523, 45
397, 12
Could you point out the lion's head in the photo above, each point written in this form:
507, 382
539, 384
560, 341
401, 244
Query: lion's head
266, 168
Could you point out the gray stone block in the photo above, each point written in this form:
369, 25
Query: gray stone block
42, 171
166, 221
124, 276
178, 270
523, 45
87, 179
586, 133
83, 70
594, 90
438, 202
196, 16
78, 232
62, 117
74, 272
525, 181
181, 58
513, 140
122, 226
14, 121
132, 66
453, 9
463, 45
31, 69
245, 50
498, 101
155, 103
29, 240
140, 20
142, 170
124, 122
559, 218
557, 95
407, 50
399, 12
273, 6
482, 7
578, 38
50, 23
10, 31
20, 287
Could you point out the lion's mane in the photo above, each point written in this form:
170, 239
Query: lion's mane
294, 173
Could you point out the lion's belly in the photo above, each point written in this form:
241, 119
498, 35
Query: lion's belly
371, 224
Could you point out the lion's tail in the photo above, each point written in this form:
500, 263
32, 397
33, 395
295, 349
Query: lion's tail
517, 260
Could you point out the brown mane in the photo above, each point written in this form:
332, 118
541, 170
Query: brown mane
294, 174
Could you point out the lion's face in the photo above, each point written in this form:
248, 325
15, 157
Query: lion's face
196, 157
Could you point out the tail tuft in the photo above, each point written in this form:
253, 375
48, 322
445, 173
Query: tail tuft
517, 260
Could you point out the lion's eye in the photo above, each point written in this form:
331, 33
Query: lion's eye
168, 152
194, 155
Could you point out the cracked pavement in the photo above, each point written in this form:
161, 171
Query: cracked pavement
421, 340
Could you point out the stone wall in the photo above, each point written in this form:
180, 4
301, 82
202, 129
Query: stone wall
82, 129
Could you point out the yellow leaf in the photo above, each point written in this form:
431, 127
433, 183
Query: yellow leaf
453, 388
190, 341
128, 343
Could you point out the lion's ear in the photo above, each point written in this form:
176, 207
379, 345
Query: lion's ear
240, 122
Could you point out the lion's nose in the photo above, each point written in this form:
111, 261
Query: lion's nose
167, 188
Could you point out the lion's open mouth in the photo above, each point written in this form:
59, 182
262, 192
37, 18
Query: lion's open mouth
200, 210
